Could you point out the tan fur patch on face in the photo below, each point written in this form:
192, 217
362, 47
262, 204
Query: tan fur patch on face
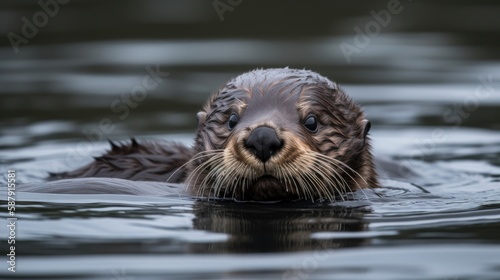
287, 161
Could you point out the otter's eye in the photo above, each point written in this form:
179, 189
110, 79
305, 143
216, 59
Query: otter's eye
233, 120
311, 123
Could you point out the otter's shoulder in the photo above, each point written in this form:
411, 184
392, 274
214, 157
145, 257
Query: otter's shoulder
145, 161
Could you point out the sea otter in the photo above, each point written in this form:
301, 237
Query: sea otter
267, 135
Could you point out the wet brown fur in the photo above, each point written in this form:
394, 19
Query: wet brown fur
145, 161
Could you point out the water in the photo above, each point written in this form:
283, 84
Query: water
430, 87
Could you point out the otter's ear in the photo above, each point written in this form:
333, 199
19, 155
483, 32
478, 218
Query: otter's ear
201, 116
365, 128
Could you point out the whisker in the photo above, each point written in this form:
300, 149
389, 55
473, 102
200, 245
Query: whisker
312, 176
193, 178
336, 163
194, 158
326, 175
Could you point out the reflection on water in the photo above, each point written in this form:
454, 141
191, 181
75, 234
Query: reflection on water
428, 80
253, 228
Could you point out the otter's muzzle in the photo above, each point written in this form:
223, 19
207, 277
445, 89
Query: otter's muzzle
263, 142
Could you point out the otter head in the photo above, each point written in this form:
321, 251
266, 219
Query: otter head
280, 134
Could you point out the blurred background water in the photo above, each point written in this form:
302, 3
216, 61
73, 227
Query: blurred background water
427, 72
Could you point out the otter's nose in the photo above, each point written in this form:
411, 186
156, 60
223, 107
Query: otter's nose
263, 142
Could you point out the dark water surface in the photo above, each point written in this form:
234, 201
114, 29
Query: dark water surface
428, 78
